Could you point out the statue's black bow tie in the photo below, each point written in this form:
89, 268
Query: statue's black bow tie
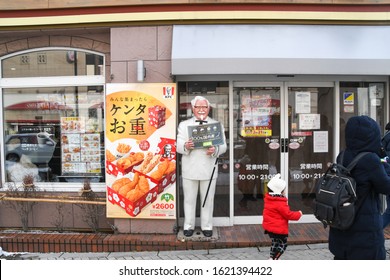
201, 121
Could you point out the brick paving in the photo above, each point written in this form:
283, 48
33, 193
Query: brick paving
239, 236
294, 252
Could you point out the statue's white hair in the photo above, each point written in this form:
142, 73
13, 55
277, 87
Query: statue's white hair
198, 98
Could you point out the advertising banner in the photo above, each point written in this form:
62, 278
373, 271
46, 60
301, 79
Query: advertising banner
256, 115
140, 140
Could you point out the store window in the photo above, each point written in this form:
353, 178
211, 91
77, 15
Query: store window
54, 133
361, 98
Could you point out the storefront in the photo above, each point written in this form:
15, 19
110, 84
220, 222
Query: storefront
282, 92
291, 121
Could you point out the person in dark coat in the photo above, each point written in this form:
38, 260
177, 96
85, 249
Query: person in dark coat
386, 147
386, 140
364, 240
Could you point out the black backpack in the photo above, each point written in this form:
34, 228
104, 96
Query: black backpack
335, 195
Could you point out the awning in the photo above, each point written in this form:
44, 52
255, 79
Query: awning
38, 105
280, 49
97, 106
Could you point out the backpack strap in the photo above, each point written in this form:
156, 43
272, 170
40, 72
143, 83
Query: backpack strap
383, 137
355, 160
349, 169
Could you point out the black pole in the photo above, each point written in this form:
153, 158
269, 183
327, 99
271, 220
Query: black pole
208, 188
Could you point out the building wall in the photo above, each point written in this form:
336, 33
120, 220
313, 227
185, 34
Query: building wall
152, 44
55, 216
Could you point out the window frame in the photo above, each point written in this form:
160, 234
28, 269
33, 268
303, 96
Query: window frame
52, 81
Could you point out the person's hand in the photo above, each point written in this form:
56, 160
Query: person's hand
189, 145
210, 150
300, 212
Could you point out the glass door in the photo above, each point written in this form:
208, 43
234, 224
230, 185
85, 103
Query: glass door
310, 141
281, 128
257, 135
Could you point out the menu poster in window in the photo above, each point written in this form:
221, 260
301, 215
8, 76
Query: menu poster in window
80, 152
140, 149
70, 156
72, 125
90, 152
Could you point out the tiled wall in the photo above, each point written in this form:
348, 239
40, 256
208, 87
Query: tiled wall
152, 44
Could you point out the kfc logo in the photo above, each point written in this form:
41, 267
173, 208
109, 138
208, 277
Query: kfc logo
168, 92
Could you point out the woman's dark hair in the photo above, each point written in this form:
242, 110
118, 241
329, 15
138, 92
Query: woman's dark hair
387, 127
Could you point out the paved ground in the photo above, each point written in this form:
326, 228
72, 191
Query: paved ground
293, 252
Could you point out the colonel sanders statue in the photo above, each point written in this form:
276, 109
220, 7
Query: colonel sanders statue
199, 169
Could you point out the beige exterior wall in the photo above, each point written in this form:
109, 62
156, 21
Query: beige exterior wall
152, 44
53, 216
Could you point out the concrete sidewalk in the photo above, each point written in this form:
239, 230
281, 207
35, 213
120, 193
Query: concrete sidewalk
293, 252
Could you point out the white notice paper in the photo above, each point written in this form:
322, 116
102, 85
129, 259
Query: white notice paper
320, 142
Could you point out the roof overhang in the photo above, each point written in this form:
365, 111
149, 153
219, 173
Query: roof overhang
280, 49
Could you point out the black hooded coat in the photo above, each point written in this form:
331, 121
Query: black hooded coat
364, 240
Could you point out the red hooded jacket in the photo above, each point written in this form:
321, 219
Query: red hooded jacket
277, 213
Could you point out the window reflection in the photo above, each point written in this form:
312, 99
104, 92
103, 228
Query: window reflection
46, 63
55, 134
361, 98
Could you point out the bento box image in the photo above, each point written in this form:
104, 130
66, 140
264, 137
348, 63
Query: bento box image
132, 193
160, 171
124, 164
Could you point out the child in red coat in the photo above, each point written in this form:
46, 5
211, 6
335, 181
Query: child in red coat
276, 215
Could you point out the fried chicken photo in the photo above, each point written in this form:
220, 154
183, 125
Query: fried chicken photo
129, 186
120, 183
123, 148
165, 167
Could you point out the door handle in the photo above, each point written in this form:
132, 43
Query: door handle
284, 145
